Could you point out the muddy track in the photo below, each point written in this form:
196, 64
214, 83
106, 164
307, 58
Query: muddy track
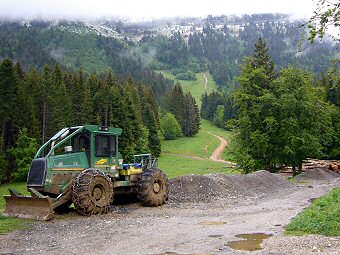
185, 227
216, 156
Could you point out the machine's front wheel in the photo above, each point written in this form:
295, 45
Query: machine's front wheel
92, 192
153, 187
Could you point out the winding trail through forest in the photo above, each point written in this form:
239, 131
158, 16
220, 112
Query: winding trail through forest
205, 82
215, 156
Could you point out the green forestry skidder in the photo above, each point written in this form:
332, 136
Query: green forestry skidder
82, 165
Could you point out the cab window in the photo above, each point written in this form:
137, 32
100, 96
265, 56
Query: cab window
105, 145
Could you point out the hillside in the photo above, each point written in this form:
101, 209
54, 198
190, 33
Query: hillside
184, 46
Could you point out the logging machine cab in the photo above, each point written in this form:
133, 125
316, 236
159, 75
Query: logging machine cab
73, 150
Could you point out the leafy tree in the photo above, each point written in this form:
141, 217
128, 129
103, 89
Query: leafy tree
304, 118
331, 83
326, 16
171, 128
219, 116
23, 153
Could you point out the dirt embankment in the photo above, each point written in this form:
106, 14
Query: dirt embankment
203, 188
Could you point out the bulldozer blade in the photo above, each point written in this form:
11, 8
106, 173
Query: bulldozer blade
38, 208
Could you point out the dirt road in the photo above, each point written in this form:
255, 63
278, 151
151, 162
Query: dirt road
256, 203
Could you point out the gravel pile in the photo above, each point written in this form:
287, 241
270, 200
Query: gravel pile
204, 188
317, 174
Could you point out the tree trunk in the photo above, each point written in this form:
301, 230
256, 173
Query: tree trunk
294, 170
300, 167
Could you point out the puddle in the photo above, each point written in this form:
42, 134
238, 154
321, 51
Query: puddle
251, 242
212, 223
215, 236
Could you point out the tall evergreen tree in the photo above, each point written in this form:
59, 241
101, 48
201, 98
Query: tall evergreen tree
192, 117
46, 105
150, 122
9, 85
262, 59
177, 105
60, 101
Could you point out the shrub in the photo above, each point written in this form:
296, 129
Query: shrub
23, 154
170, 127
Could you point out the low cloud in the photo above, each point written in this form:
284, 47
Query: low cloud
139, 10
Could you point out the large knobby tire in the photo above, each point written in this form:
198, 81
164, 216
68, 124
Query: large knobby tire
152, 187
92, 192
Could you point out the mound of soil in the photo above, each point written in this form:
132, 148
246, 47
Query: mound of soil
205, 188
317, 174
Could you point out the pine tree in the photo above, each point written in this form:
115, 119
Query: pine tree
28, 99
177, 105
150, 122
9, 84
46, 105
204, 105
192, 117
60, 101
103, 101
148, 97
262, 59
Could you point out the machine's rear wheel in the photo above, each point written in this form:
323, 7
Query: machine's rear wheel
153, 187
92, 192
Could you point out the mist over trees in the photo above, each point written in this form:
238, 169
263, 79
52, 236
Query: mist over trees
282, 103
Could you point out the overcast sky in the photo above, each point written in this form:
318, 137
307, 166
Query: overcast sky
140, 9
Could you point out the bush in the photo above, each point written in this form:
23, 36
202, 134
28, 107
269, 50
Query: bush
170, 127
23, 154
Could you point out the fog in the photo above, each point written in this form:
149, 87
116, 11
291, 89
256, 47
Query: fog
148, 9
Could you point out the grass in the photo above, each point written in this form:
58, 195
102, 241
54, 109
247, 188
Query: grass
175, 159
196, 88
321, 218
175, 166
202, 145
8, 224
